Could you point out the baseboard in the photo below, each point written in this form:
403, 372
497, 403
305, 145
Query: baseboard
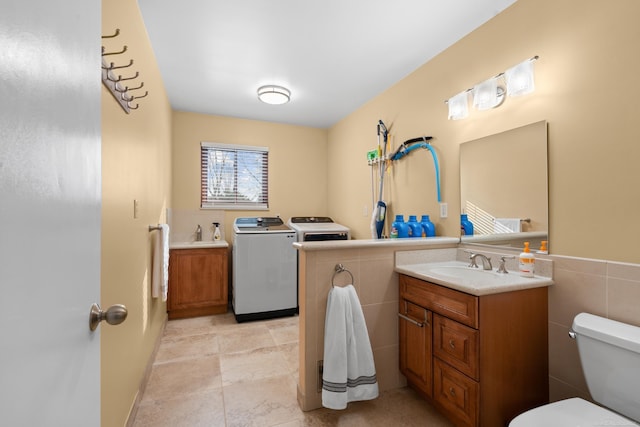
145, 378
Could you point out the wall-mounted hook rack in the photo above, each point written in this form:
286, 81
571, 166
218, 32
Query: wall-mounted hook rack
120, 92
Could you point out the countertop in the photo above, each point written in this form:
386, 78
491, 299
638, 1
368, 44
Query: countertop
199, 245
476, 283
429, 242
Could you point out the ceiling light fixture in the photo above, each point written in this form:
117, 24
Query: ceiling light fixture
491, 94
275, 95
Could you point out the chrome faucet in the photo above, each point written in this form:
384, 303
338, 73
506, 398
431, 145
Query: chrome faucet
502, 268
486, 262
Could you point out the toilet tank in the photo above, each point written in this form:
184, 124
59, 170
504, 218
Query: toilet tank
610, 357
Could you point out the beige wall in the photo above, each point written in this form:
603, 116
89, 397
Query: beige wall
297, 163
585, 88
136, 165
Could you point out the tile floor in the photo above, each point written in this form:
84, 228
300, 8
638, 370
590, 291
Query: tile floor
211, 371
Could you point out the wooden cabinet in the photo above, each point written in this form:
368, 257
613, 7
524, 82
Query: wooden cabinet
481, 360
198, 282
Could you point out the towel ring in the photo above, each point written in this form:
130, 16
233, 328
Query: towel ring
340, 269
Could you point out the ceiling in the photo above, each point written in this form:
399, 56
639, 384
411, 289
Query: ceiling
334, 55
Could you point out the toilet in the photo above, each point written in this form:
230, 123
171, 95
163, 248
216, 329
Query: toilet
610, 357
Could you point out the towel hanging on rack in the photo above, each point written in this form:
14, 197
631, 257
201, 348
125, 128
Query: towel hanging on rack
349, 372
160, 263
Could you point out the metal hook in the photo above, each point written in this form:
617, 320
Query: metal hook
120, 78
123, 95
116, 34
124, 49
146, 92
134, 88
135, 76
133, 108
112, 66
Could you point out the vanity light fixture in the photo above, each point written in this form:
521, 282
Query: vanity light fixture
488, 94
275, 95
491, 94
459, 106
520, 78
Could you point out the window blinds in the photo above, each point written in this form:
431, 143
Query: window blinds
234, 176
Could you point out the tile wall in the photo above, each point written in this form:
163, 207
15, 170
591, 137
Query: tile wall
600, 287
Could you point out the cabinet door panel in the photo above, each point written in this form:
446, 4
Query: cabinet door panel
197, 282
415, 346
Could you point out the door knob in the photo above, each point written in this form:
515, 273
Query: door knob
114, 315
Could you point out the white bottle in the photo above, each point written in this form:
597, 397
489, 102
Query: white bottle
527, 262
216, 234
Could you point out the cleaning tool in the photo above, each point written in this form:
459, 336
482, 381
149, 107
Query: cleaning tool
380, 209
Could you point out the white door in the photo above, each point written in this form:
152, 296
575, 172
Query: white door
49, 212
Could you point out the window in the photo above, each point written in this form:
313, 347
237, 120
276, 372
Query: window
234, 176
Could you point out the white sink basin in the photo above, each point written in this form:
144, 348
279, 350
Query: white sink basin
476, 281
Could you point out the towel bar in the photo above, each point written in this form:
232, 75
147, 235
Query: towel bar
340, 269
154, 227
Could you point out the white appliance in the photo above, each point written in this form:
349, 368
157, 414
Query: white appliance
318, 228
264, 281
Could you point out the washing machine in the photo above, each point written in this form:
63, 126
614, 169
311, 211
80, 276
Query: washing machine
264, 264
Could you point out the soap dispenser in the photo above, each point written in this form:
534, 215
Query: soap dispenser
527, 262
216, 234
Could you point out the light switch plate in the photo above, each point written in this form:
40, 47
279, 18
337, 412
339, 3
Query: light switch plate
444, 210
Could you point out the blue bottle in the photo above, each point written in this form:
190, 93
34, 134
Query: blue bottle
401, 227
466, 227
428, 228
415, 229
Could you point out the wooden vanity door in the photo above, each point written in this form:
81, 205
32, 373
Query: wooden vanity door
416, 346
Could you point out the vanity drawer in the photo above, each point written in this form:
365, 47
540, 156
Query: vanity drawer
439, 299
456, 344
455, 393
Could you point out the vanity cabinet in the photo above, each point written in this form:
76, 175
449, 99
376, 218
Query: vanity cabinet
198, 282
481, 360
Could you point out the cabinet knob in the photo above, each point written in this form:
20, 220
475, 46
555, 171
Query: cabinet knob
452, 344
452, 392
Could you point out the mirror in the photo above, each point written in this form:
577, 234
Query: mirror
504, 186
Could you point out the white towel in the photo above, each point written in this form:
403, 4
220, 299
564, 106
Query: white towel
160, 272
349, 373
507, 225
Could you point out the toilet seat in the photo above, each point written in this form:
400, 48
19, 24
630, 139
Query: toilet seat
573, 412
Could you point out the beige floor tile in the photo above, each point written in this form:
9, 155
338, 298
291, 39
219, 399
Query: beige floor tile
183, 378
245, 338
187, 347
261, 403
291, 355
196, 410
399, 407
211, 371
191, 326
285, 333
252, 365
